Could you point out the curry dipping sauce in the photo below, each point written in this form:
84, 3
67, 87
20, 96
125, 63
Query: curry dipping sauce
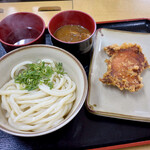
72, 33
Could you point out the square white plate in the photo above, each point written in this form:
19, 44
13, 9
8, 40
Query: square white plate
109, 100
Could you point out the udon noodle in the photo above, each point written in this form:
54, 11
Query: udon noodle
38, 109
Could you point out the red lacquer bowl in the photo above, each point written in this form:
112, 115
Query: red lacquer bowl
21, 29
74, 17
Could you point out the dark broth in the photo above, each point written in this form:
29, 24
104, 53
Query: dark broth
72, 33
22, 36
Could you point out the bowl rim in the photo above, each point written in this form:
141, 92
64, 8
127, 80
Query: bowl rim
40, 35
66, 121
72, 11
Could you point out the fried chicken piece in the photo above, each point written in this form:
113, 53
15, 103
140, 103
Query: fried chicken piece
124, 67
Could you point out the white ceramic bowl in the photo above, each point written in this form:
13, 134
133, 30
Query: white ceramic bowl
34, 52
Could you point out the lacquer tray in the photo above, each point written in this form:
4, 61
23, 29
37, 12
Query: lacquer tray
88, 130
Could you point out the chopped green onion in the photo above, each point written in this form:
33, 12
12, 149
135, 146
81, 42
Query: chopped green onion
38, 73
59, 68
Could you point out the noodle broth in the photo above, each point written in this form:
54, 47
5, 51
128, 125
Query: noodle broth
72, 33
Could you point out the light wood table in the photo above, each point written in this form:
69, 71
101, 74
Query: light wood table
105, 10
100, 10
45, 9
